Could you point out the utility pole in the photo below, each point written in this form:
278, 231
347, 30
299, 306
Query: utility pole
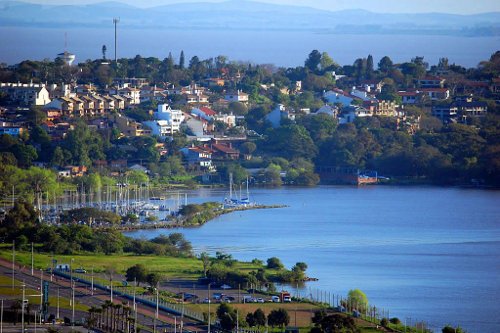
73, 306
41, 294
32, 260
13, 263
1, 318
135, 307
115, 22
156, 311
209, 307
22, 310
92, 282
57, 303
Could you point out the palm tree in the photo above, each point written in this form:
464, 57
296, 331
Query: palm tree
106, 307
15, 307
91, 320
116, 317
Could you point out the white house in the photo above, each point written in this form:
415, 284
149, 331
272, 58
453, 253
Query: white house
280, 112
334, 97
238, 96
228, 119
363, 95
203, 112
328, 110
352, 112
198, 157
167, 121
26, 94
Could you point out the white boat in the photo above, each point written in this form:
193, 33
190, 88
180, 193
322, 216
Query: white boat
235, 202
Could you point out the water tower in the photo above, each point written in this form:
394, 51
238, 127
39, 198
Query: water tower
67, 57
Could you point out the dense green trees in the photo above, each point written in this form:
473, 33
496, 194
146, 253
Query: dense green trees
19, 224
227, 316
278, 317
333, 323
137, 273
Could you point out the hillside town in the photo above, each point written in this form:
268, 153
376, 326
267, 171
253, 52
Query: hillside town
280, 125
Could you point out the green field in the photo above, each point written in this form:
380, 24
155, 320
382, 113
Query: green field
170, 267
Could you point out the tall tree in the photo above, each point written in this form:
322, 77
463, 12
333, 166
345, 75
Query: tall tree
385, 64
182, 60
369, 67
313, 60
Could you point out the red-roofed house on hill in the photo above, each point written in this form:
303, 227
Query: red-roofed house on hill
198, 158
203, 112
224, 151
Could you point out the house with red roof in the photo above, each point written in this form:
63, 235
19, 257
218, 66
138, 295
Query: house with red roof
203, 112
198, 158
224, 151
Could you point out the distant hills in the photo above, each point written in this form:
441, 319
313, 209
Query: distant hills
245, 15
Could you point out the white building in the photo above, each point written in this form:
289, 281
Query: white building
280, 112
166, 121
238, 96
365, 96
334, 97
26, 93
352, 112
328, 110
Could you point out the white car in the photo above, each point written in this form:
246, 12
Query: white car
260, 300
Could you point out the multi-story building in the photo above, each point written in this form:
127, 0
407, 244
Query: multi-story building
26, 94
166, 121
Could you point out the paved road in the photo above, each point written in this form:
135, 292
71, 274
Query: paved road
83, 295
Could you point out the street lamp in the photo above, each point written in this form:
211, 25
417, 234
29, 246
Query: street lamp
209, 307
72, 295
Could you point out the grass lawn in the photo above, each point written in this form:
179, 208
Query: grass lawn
170, 267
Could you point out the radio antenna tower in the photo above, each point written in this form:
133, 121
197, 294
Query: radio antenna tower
115, 22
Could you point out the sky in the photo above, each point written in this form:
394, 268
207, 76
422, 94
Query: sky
381, 6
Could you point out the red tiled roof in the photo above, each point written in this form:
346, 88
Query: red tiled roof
442, 90
407, 93
224, 148
208, 111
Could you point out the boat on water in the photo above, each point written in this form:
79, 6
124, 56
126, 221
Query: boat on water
233, 201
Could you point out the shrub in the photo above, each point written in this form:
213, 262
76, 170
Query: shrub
384, 322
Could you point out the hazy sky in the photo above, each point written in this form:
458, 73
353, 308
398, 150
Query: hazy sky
387, 6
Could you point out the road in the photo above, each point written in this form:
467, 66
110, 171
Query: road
83, 295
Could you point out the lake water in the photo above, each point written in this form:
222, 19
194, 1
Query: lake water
282, 48
423, 253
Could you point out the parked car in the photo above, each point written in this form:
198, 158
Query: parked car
275, 299
206, 300
247, 299
260, 300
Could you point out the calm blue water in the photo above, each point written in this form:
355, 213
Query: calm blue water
277, 47
423, 253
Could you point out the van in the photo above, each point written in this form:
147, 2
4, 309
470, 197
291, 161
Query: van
275, 299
